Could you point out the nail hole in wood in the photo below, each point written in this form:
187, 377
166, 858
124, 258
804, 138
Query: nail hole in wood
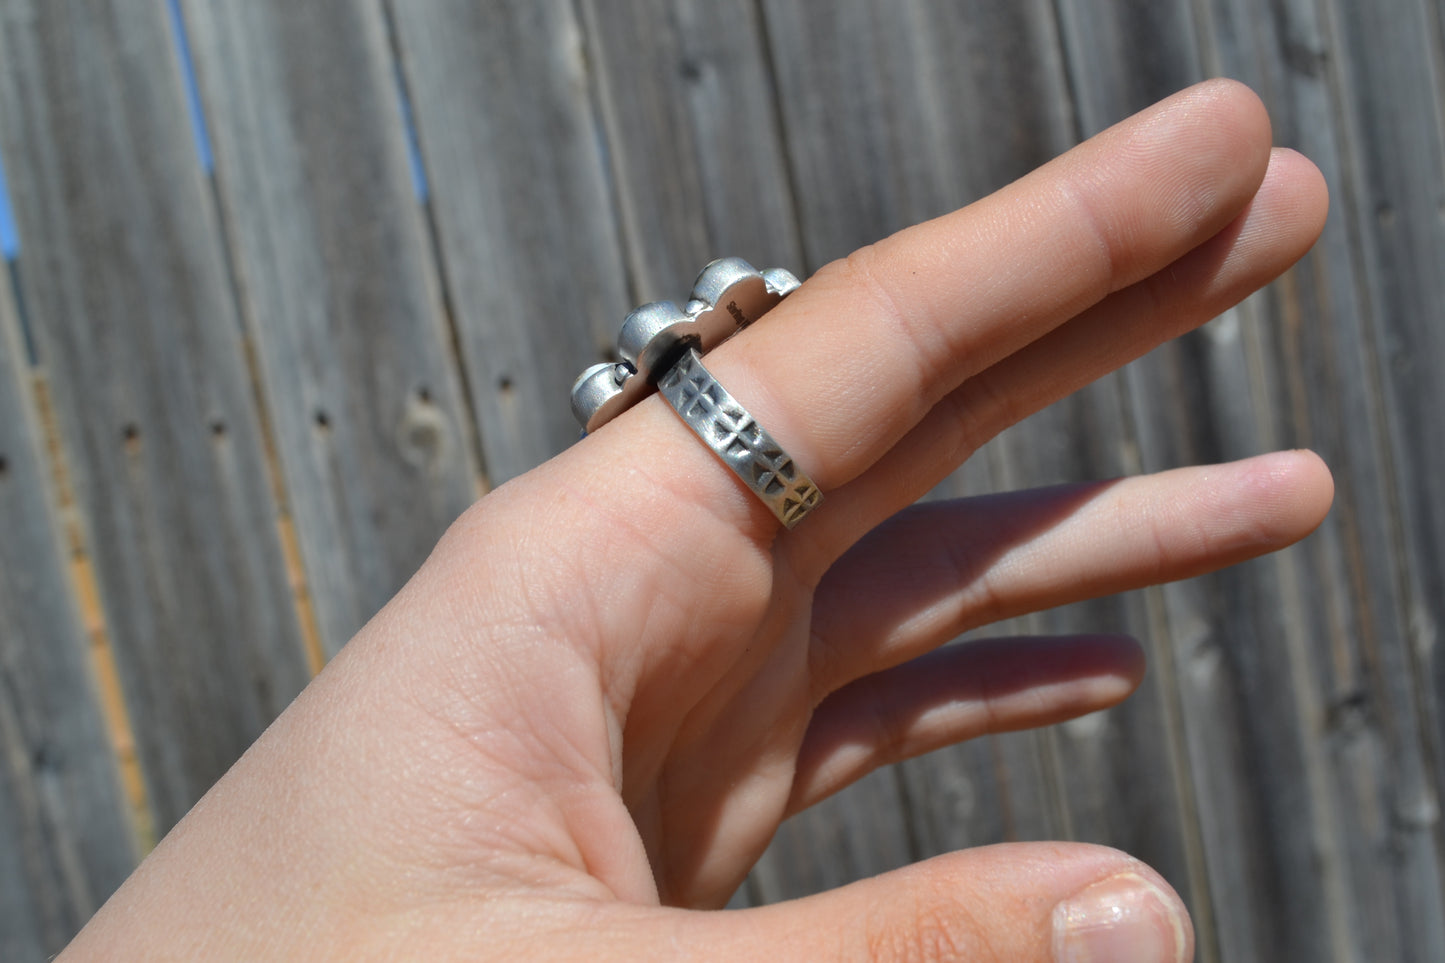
504, 384
323, 420
4, 466
131, 435
423, 395
218, 429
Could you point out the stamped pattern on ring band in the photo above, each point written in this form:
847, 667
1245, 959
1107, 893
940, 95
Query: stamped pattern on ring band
737, 438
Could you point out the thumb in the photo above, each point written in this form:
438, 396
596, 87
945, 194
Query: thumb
1022, 902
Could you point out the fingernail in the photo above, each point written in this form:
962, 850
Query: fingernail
1123, 919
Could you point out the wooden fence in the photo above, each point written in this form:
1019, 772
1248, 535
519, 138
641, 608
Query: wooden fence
267, 334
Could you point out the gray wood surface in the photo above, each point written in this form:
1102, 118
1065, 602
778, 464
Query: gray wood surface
687, 97
338, 289
1314, 384
1388, 738
65, 843
126, 286
902, 166
523, 210
1282, 764
923, 142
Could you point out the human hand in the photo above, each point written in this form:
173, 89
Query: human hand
616, 675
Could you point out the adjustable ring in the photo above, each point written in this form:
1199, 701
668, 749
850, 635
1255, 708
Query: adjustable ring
736, 437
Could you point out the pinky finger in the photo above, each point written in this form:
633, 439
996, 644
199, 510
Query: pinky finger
955, 694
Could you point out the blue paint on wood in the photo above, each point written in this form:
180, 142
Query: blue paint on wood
9, 239
413, 149
193, 95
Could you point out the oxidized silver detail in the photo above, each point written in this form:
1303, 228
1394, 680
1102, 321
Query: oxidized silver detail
737, 438
729, 295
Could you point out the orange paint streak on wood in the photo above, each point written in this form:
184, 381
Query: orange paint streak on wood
92, 613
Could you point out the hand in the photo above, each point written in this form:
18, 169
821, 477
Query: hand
616, 675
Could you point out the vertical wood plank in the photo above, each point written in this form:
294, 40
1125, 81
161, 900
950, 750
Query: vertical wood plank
127, 292
963, 100
65, 841
1321, 389
893, 116
692, 130
1388, 68
1116, 771
523, 210
1289, 789
901, 113
339, 292
1217, 655
693, 135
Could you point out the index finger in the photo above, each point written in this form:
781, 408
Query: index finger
866, 347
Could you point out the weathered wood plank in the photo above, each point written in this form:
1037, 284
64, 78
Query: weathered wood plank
920, 141
895, 114
65, 841
1318, 362
338, 291
1122, 54
692, 129
872, 151
998, 788
1285, 820
1387, 62
1115, 772
1207, 634
127, 292
1231, 661
1195, 401
523, 210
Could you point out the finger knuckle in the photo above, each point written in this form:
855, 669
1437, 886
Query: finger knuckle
866, 273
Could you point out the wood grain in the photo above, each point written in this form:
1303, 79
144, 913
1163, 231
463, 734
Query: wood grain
921, 142
1387, 736
691, 122
1301, 778
525, 224
339, 291
128, 296
65, 840
897, 114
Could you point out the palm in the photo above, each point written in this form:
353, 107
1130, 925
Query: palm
700, 638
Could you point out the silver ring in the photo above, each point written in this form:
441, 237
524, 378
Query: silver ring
729, 295
736, 437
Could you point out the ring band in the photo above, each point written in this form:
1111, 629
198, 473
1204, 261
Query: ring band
736, 437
